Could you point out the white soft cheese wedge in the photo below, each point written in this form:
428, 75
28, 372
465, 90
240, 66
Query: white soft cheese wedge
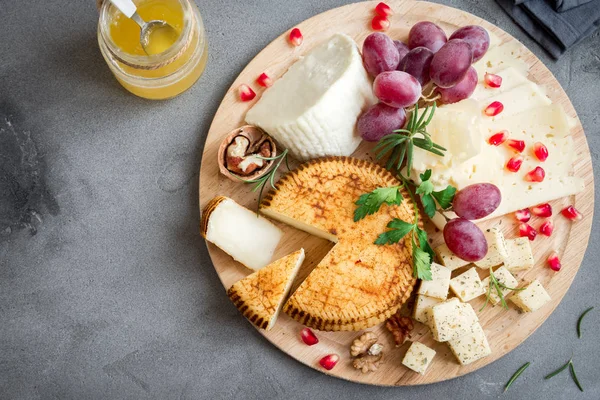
248, 238
312, 109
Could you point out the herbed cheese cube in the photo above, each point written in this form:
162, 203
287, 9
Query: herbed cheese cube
520, 256
532, 298
448, 258
504, 277
471, 347
451, 320
497, 253
467, 285
438, 285
422, 309
418, 357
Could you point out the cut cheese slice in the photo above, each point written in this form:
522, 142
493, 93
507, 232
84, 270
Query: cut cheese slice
511, 78
312, 109
497, 58
516, 100
260, 296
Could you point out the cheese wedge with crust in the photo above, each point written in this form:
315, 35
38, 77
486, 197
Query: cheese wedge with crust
358, 284
260, 296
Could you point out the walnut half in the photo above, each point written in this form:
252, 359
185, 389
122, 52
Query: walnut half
368, 363
400, 327
363, 343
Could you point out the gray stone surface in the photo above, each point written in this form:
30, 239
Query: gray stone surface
106, 289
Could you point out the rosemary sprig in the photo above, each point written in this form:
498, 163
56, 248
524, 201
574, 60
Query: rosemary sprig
580, 319
401, 142
558, 371
571, 367
269, 177
516, 375
574, 375
498, 286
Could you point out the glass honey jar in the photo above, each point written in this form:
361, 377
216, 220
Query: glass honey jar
158, 76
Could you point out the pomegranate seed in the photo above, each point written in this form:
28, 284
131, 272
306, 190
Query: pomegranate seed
514, 164
546, 228
498, 138
384, 10
264, 80
296, 37
309, 337
329, 361
493, 81
554, 261
523, 215
494, 109
572, 213
526, 230
518, 145
380, 23
540, 151
246, 92
542, 210
536, 175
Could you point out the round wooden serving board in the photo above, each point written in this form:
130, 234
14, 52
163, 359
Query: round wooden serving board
505, 329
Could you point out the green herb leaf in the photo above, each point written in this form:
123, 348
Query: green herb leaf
425, 176
424, 243
370, 203
574, 375
580, 319
425, 188
398, 230
421, 264
516, 375
269, 177
558, 371
428, 205
445, 197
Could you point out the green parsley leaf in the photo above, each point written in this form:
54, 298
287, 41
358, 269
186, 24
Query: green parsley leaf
421, 264
425, 188
428, 205
425, 176
445, 197
424, 243
398, 229
370, 203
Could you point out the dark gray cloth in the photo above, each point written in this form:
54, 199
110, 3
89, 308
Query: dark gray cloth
554, 31
561, 5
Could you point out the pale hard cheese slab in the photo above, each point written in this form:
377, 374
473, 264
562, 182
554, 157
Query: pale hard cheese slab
312, 109
451, 319
448, 258
248, 238
418, 357
518, 99
500, 57
438, 286
470, 347
467, 285
422, 308
511, 78
497, 253
504, 277
532, 298
520, 256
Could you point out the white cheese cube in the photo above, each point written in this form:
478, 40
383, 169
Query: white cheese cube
532, 298
438, 286
467, 285
418, 357
504, 277
520, 256
497, 253
422, 309
470, 347
451, 320
449, 259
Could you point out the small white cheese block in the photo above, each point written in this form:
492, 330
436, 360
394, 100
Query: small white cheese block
438, 286
312, 109
504, 277
520, 256
467, 285
422, 309
449, 259
248, 238
497, 253
470, 347
451, 320
532, 298
418, 357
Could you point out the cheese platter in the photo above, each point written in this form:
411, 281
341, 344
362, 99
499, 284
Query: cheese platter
352, 266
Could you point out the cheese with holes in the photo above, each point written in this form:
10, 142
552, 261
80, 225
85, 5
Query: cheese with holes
467, 285
504, 277
438, 285
532, 298
448, 258
418, 357
520, 256
312, 109
470, 347
497, 253
422, 309
451, 320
